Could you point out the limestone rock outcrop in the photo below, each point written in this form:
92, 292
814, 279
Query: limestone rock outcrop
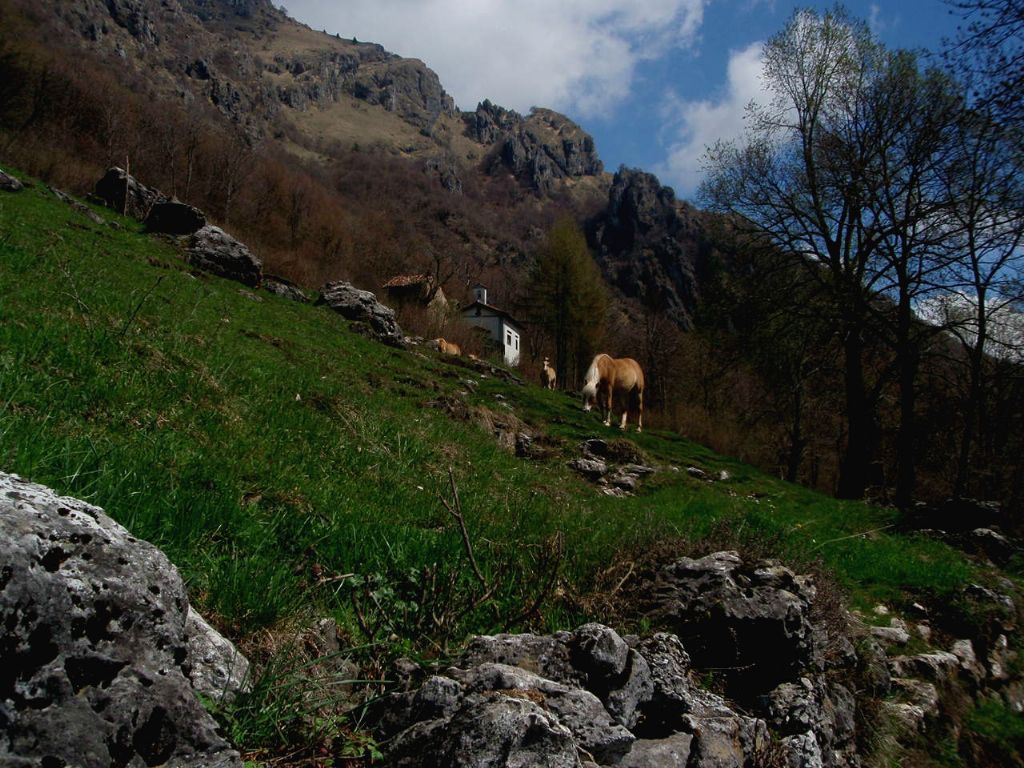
651, 246
537, 149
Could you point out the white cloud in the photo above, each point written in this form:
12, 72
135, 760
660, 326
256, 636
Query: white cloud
694, 125
875, 22
574, 55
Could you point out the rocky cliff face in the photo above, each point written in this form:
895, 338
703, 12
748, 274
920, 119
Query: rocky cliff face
537, 149
651, 246
255, 64
250, 60
264, 71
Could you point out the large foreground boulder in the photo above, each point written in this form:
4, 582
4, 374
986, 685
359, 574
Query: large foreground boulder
211, 249
97, 645
362, 307
126, 194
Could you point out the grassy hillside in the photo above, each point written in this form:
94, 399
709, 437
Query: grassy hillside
292, 468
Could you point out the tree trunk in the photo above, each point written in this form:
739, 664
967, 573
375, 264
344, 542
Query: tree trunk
906, 436
853, 467
974, 405
797, 443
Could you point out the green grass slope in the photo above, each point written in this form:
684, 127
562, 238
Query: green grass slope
246, 435
291, 467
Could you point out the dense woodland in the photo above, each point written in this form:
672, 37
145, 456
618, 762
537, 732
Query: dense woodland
883, 186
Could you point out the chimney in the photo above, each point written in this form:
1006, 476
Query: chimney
480, 293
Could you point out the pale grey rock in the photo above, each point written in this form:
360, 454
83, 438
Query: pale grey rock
827, 711
640, 470
549, 656
600, 651
591, 682
895, 634
910, 718
94, 647
10, 184
622, 480
984, 595
670, 752
628, 695
722, 739
499, 732
78, 206
214, 666
671, 695
920, 693
999, 659
969, 664
874, 666
938, 666
579, 710
794, 708
803, 751
592, 469
284, 289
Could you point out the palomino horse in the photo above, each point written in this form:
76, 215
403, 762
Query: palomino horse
448, 347
607, 377
547, 376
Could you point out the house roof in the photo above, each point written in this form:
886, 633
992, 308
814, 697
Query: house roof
492, 310
404, 281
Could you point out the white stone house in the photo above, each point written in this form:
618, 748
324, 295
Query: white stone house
501, 326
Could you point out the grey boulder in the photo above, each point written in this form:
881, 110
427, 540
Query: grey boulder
732, 616
362, 308
211, 249
125, 194
174, 218
95, 644
10, 184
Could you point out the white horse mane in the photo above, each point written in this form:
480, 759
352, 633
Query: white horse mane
591, 380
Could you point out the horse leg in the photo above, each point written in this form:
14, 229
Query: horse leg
608, 412
640, 410
625, 414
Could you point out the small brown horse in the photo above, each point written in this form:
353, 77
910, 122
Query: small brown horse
448, 347
608, 376
547, 376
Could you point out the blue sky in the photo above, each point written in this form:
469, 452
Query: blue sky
653, 81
